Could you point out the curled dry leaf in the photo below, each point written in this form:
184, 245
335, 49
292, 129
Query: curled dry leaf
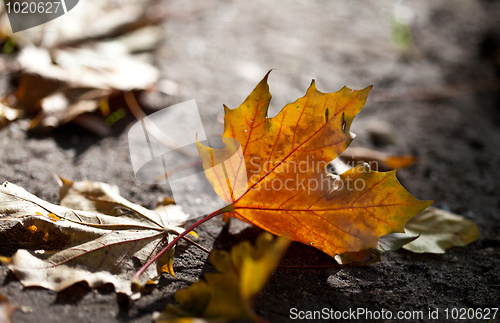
229, 293
439, 230
286, 189
105, 237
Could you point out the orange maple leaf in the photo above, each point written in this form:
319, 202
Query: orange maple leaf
278, 181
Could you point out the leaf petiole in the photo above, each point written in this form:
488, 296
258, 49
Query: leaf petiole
135, 279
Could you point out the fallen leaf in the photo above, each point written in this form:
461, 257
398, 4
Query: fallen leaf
229, 293
286, 189
439, 230
62, 84
106, 238
101, 68
8, 114
6, 309
377, 160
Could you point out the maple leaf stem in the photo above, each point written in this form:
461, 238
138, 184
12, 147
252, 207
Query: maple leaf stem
135, 278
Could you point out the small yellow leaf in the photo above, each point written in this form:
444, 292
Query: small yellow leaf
32, 228
46, 237
194, 234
